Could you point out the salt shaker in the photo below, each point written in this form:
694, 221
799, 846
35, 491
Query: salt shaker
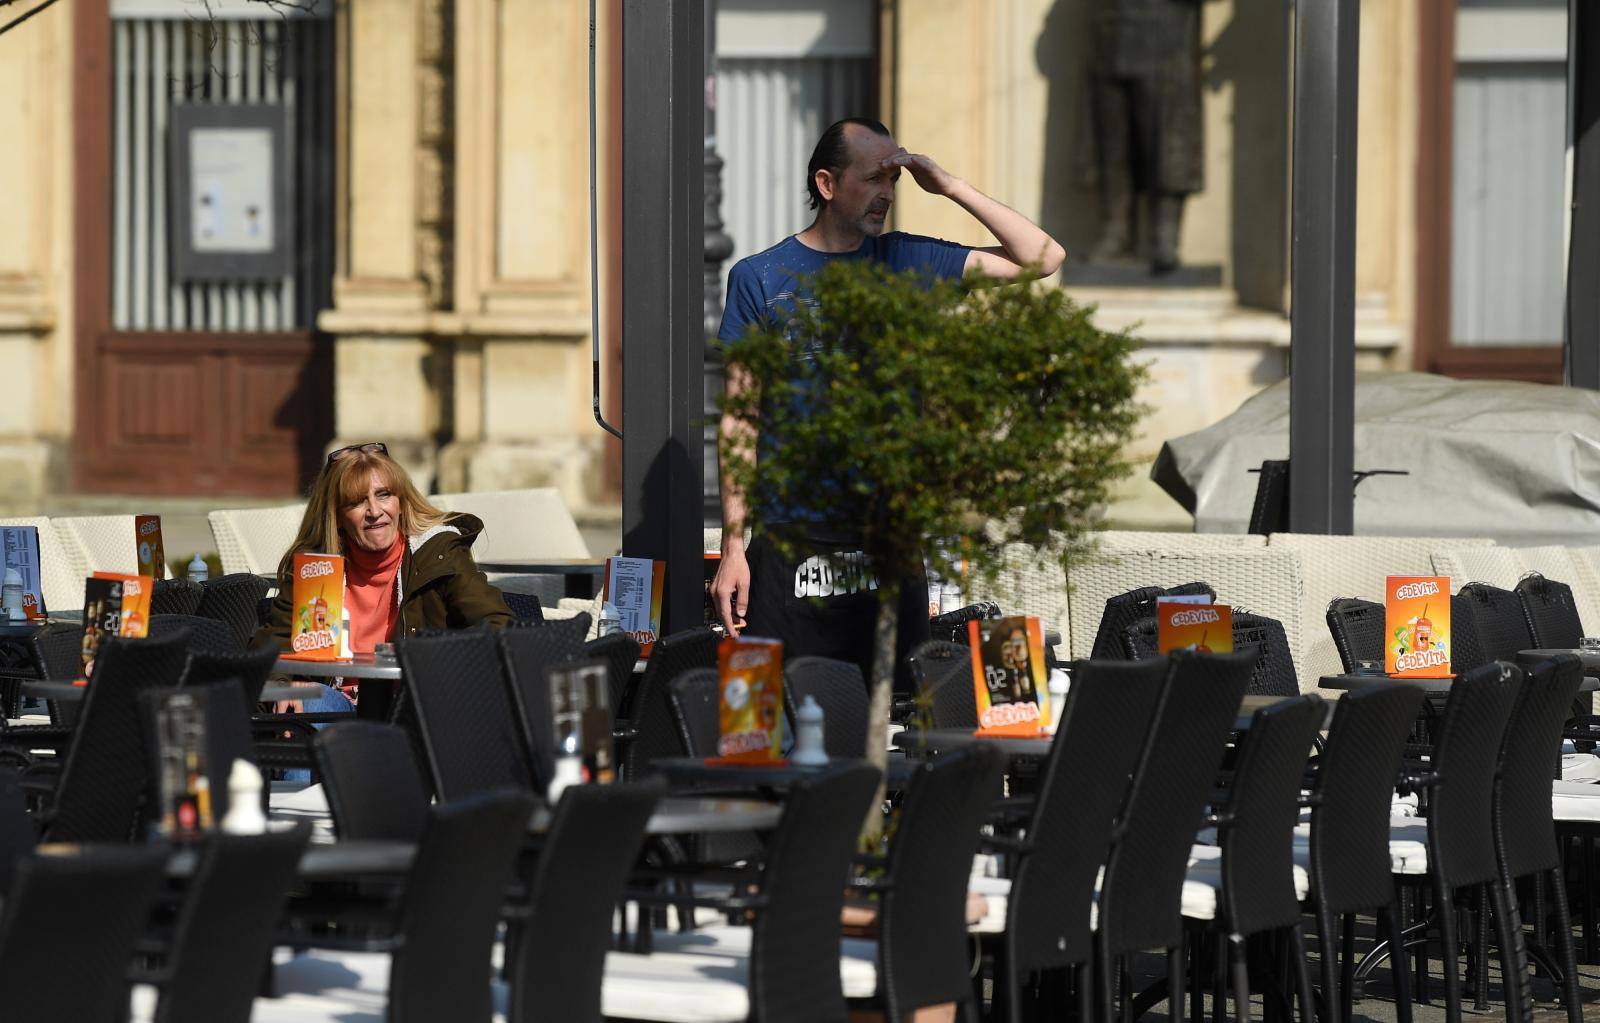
244, 800
199, 571
808, 748
11, 595
569, 771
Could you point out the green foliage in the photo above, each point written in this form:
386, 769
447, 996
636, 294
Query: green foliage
997, 414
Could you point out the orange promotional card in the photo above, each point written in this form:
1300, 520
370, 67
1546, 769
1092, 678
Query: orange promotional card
151, 553
1417, 626
113, 605
633, 586
317, 619
750, 703
1009, 676
1205, 628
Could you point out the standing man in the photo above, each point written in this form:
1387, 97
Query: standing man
824, 602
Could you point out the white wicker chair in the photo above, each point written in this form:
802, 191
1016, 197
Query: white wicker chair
1352, 566
1151, 540
60, 572
519, 524
1497, 566
255, 539
1030, 585
1266, 581
100, 543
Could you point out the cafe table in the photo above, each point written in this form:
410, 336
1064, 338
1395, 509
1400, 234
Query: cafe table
580, 578
71, 692
705, 771
375, 703
1590, 658
1346, 682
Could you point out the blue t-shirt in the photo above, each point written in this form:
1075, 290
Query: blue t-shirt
766, 284
765, 287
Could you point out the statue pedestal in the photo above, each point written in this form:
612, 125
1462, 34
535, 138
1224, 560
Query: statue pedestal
1132, 274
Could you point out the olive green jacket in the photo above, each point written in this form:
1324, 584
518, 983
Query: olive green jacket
439, 585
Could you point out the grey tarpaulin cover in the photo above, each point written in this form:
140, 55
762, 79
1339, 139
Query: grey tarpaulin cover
1513, 461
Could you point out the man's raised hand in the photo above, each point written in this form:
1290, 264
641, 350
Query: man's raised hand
929, 175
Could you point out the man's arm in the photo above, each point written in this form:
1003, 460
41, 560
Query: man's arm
1025, 250
731, 587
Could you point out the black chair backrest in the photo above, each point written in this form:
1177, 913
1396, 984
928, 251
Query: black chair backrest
69, 927
952, 625
1274, 673
650, 710
175, 597
371, 779
451, 907
204, 633
794, 961
1269, 512
525, 607
234, 600
527, 655
227, 736
840, 691
225, 930
696, 710
463, 709
1100, 731
1551, 612
922, 923
1355, 784
1124, 609
106, 770
1460, 838
58, 651
577, 625
1496, 619
620, 651
250, 667
17, 832
1258, 889
595, 834
943, 674
1528, 756
1357, 629
1139, 899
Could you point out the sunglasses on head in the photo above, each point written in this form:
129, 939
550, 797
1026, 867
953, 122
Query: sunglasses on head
376, 447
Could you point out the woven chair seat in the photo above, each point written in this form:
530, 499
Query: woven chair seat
1202, 884
1584, 767
1575, 802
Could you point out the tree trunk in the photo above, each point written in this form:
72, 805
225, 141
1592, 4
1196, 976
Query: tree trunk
878, 711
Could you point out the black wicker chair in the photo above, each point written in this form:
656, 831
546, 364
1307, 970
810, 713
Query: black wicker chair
1553, 623
1469, 651
1264, 638
576, 626
250, 668
525, 607
57, 654
450, 908
696, 708
1523, 824
558, 958
17, 834
792, 950
97, 798
371, 779
1050, 898
922, 943
1357, 628
1253, 881
527, 656
840, 691
234, 600
620, 651
952, 625
1140, 897
68, 930
224, 933
175, 597
227, 738
205, 634
464, 714
1124, 609
1347, 853
943, 674
1496, 618
650, 731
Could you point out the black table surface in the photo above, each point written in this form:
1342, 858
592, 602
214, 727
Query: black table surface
1590, 658
1433, 685
71, 692
700, 771
321, 860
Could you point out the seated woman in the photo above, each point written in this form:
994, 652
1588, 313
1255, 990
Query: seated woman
408, 565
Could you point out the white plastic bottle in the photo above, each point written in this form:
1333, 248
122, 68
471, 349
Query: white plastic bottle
199, 571
11, 595
809, 750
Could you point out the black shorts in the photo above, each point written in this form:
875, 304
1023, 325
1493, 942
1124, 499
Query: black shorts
825, 603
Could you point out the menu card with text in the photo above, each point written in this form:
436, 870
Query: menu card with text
633, 586
316, 623
151, 553
1009, 675
21, 546
1417, 626
1186, 625
113, 605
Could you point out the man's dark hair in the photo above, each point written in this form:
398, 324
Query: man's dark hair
833, 153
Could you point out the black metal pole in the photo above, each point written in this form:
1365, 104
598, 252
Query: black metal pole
1582, 342
663, 300
1322, 349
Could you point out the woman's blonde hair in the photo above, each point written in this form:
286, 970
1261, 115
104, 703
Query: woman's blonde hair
344, 482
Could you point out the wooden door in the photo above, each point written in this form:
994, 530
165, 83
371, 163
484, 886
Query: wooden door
192, 384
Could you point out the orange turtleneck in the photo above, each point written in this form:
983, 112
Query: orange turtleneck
370, 593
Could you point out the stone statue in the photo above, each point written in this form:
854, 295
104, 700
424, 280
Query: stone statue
1146, 148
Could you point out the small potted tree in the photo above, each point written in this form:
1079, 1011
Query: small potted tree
932, 409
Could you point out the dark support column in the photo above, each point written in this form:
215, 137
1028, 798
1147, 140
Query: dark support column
1582, 362
1322, 351
663, 301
